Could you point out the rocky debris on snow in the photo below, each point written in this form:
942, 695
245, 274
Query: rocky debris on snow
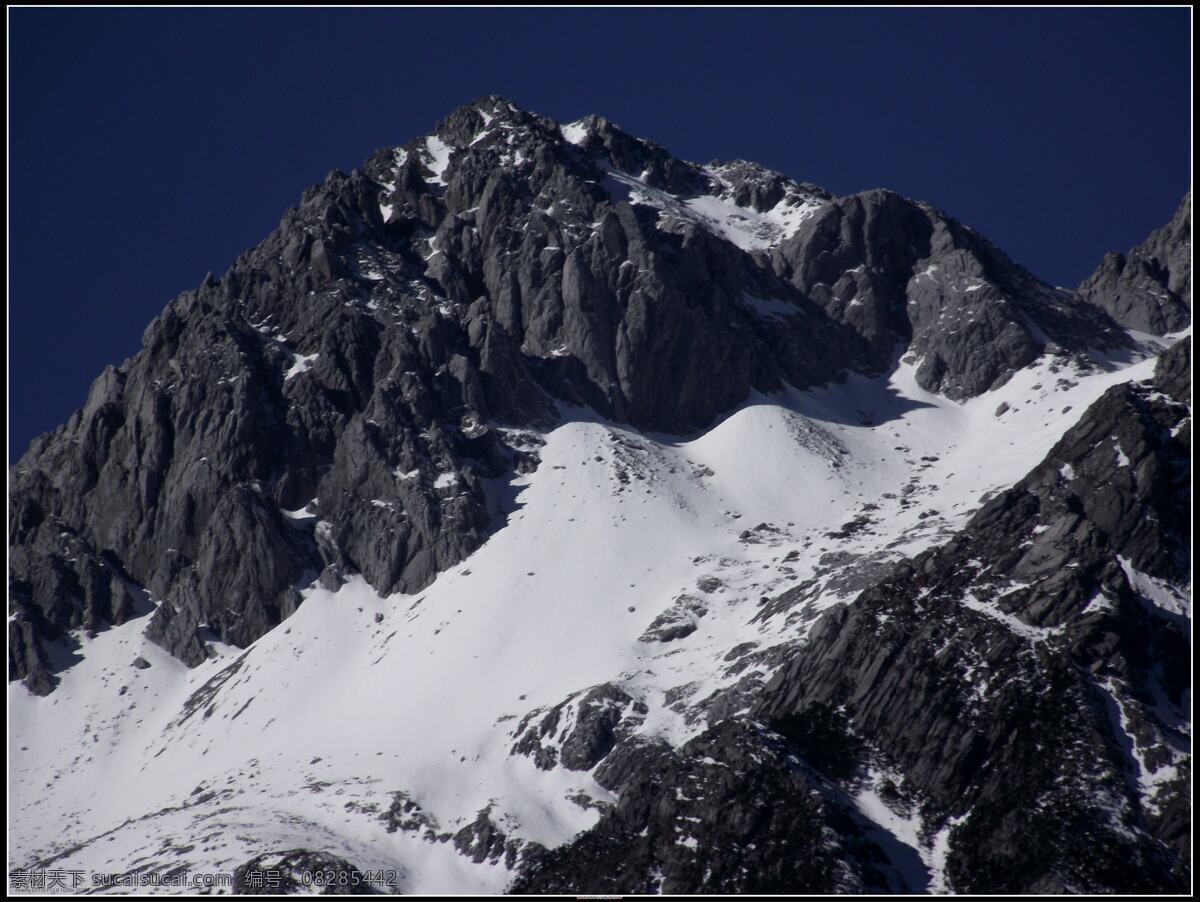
676, 622
580, 731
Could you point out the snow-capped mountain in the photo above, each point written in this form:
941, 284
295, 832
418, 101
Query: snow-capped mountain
535, 511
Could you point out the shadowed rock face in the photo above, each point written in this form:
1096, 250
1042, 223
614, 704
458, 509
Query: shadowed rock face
331, 405
1150, 288
897, 272
696, 822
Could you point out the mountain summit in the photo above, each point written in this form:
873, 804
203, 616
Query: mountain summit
535, 510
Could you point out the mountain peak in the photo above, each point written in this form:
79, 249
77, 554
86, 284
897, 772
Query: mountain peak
469, 121
594, 503
1150, 287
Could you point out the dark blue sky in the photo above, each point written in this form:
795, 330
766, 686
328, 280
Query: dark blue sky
148, 147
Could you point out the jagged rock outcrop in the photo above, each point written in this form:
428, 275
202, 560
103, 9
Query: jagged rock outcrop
898, 273
482, 840
728, 813
1173, 372
679, 620
1150, 288
580, 731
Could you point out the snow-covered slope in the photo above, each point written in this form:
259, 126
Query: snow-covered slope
379, 728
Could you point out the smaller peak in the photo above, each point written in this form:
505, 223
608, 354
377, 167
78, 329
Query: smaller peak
593, 124
465, 123
495, 105
597, 122
579, 131
595, 131
489, 107
754, 185
1183, 213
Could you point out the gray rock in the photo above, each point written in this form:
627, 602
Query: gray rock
595, 731
482, 840
891, 271
677, 621
579, 739
406, 814
1150, 288
724, 814
1173, 372
176, 632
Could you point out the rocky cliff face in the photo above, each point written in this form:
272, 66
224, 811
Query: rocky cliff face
1150, 288
356, 398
